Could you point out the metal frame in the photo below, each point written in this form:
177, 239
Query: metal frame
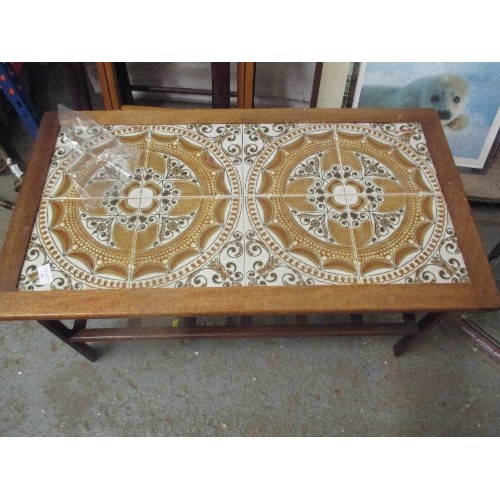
13, 90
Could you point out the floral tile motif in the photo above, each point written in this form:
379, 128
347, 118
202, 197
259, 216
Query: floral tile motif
250, 205
192, 242
281, 158
446, 264
37, 256
256, 138
386, 159
89, 245
378, 184
394, 234
410, 134
297, 240
204, 158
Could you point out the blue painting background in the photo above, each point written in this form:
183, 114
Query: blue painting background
482, 105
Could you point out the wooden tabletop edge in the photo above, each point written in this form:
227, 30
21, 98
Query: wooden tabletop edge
263, 115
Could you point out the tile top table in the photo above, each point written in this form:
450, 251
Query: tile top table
242, 212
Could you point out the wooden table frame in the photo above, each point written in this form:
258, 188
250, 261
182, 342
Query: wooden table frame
49, 307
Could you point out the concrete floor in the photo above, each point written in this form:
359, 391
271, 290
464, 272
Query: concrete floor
444, 386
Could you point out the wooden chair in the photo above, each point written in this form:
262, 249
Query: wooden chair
117, 90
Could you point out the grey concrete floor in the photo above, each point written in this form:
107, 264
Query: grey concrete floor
445, 386
342, 386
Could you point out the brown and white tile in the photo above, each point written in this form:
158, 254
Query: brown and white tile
206, 160
395, 235
37, 256
297, 240
89, 244
376, 157
249, 205
301, 154
186, 241
445, 265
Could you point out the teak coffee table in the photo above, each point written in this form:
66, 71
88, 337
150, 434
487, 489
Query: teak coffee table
242, 213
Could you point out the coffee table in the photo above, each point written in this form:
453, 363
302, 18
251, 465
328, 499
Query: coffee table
243, 213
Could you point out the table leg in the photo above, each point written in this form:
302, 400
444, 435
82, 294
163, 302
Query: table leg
424, 325
64, 333
301, 319
495, 253
246, 320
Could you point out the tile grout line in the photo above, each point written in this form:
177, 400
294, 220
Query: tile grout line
243, 205
244, 197
134, 241
353, 241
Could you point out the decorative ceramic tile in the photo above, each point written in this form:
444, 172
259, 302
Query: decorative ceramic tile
88, 244
38, 256
397, 234
200, 158
385, 159
446, 264
410, 134
192, 242
289, 159
256, 137
250, 205
226, 136
297, 240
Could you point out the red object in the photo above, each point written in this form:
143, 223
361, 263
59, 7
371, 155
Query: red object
17, 67
12, 91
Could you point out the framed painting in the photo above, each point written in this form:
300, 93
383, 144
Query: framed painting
465, 95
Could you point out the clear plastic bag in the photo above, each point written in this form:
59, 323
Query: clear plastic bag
99, 155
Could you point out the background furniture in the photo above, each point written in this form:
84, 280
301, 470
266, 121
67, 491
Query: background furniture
117, 90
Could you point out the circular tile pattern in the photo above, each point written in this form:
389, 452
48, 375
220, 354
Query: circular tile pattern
169, 220
351, 194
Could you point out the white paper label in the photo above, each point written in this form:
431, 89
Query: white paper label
44, 275
15, 170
